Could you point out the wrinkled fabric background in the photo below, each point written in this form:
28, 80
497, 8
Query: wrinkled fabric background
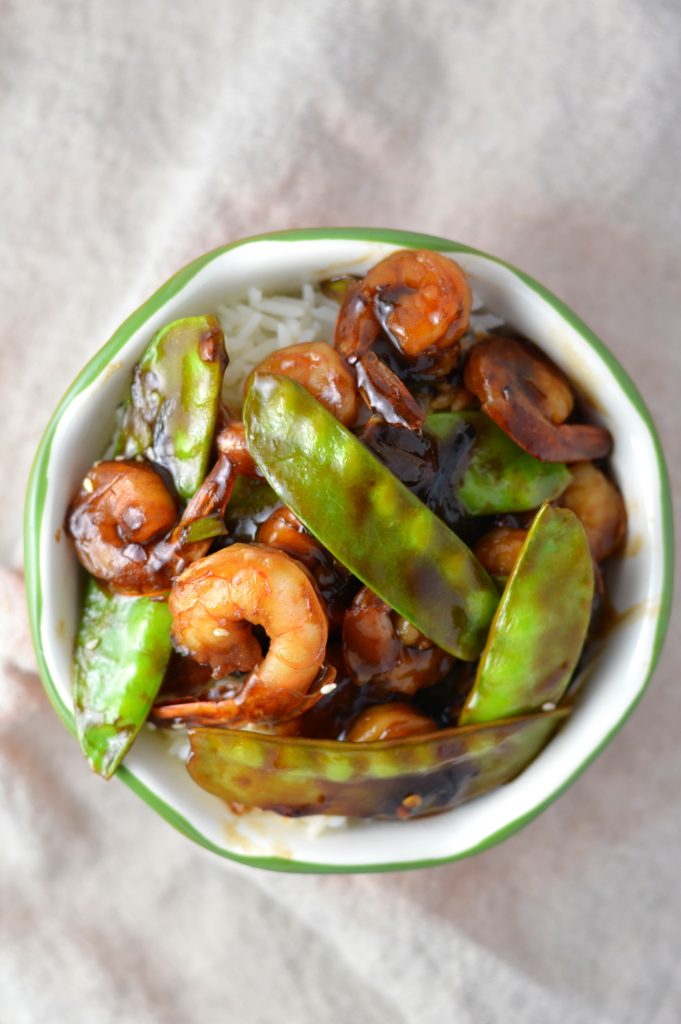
136, 135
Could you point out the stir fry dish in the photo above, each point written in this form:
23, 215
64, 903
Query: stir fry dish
367, 584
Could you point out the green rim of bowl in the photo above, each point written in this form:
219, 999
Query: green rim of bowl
35, 500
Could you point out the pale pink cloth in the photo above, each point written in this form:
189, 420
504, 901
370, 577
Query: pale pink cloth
19, 694
137, 135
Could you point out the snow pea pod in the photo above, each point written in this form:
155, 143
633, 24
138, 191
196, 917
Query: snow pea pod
539, 628
366, 517
122, 650
173, 404
403, 778
498, 475
123, 644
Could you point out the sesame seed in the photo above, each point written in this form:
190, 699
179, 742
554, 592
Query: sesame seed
92, 643
328, 688
88, 485
219, 631
549, 706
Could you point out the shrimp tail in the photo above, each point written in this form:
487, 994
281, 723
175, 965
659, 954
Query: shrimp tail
255, 703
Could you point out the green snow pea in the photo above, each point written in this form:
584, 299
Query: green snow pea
172, 408
386, 779
366, 517
122, 650
539, 628
123, 644
498, 475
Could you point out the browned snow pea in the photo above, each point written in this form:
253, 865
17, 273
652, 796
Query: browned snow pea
537, 634
401, 778
367, 518
123, 643
172, 408
498, 476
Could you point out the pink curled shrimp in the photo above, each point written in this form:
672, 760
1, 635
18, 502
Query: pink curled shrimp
124, 523
530, 399
322, 371
230, 442
214, 605
392, 721
599, 505
421, 300
386, 395
380, 646
499, 548
282, 529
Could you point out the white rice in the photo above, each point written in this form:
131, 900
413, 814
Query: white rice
259, 324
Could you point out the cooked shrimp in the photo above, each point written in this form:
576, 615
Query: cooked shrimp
380, 646
119, 514
498, 549
230, 441
282, 529
124, 523
385, 394
529, 398
598, 504
419, 298
214, 604
323, 371
389, 722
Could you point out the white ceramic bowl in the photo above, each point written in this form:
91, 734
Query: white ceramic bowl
639, 583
